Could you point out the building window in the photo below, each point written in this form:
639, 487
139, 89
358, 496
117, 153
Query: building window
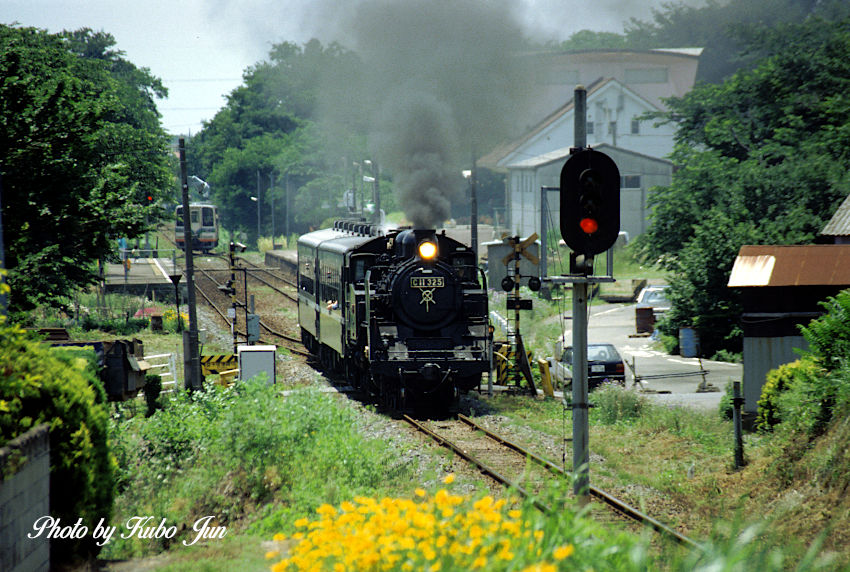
612, 128
635, 127
557, 75
590, 127
630, 182
646, 75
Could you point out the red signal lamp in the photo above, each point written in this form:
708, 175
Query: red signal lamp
589, 225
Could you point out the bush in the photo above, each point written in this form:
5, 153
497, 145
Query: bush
779, 380
120, 326
808, 394
39, 385
815, 396
829, 335
614, 404
152, 389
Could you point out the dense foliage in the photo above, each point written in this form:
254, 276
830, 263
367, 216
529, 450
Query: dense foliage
763, 159
808, 394
719, 28
269, 139
60, 387
244, 454
81, 149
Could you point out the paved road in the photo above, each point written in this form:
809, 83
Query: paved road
615, 323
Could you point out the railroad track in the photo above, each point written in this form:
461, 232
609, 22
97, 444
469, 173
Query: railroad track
208, 294
508, 463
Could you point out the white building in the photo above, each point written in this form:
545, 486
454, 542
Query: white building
621, 87
638, 174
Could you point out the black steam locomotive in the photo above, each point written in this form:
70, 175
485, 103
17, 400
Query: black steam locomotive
402, 315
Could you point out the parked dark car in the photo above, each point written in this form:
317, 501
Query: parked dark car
603, 364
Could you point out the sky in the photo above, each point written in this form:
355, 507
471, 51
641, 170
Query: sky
200, 48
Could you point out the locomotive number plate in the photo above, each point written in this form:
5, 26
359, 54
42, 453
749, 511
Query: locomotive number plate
427, 282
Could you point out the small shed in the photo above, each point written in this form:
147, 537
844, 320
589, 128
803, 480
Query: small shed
781, 288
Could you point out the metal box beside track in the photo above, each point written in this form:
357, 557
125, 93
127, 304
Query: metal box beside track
254, 360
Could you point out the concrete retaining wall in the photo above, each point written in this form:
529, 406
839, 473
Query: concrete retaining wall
24, 497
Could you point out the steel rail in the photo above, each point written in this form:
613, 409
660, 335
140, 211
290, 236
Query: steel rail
483, 467
615, 503
290, 339
618, 505
270, 270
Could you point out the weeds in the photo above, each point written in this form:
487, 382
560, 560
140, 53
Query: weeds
223, 452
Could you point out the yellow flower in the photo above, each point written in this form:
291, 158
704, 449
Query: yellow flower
301, 522
278, 537
420, 492
543, 567
450, 478
272, 554
326, 510
564, 551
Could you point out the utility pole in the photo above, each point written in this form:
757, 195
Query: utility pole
259, 197
4, 303
271, 198
473, 216
376, 192
191, 356
286, 206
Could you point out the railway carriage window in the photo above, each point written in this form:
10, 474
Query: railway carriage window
194, 216
208, 217
179, 216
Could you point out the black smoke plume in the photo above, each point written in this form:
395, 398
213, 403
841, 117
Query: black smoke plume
444, 79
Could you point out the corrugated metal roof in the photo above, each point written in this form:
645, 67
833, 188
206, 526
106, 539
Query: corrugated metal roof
803, 265
839, 224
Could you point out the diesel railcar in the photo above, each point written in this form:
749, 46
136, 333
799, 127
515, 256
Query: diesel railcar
401, 314
203, 218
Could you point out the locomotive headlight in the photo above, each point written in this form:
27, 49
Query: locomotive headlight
427, 250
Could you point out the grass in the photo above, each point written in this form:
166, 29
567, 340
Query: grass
254, 460
679, 462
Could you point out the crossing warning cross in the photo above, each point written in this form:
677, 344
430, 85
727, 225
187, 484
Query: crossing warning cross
521, 247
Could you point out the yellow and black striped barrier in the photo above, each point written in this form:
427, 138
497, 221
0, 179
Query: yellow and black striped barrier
218, 363
506, 362
545, 377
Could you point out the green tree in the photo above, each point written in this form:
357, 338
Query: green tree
80, 149
763, 158
290, 120
719, 27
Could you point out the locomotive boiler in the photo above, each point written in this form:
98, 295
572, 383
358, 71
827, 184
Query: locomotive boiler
403, 315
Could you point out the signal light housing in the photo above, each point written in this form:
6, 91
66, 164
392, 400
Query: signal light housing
590, 202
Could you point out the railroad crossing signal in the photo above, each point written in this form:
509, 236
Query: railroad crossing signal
590, 202
521, 248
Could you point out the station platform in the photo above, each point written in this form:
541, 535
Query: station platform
286, 259
141, 277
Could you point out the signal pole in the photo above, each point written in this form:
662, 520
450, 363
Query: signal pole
590, 224
191, 356
581, 456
